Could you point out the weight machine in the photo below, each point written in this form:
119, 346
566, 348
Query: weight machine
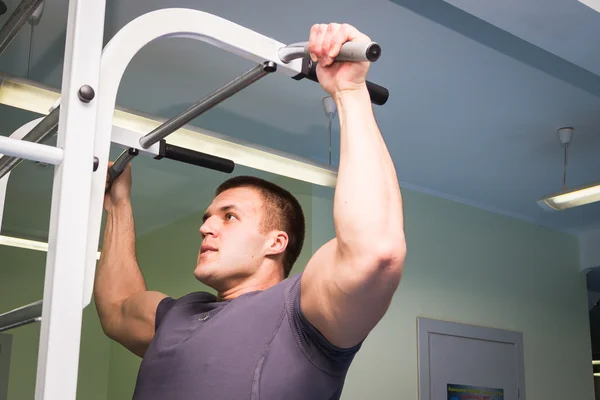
83, 121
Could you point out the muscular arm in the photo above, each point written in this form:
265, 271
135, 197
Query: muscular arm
348, 284
125, 307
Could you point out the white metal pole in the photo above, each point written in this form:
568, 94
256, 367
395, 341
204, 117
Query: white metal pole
41, 132
60, 334
31, 151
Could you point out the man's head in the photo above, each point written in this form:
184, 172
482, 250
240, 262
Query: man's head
250, 226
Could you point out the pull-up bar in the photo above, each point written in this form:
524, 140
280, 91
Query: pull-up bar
208, 102
186, 155
21, 316
351, 51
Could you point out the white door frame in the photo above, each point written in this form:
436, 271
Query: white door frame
426, 327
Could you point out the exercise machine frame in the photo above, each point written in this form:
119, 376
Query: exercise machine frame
91, 78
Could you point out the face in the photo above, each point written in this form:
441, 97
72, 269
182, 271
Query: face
234, 245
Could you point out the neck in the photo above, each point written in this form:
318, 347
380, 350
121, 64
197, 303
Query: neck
258, 281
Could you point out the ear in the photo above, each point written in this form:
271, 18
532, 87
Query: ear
277, 242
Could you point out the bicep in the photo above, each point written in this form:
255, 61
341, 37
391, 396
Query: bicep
138, 321
344, 298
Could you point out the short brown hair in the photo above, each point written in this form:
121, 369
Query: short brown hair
282, 212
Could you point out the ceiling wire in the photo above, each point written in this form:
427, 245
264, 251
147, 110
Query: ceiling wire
331, 111
30, 51
330, 119
566, 164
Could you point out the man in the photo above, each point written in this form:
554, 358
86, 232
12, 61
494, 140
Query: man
267, 336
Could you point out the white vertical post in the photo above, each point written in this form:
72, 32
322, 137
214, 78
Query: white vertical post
60, 335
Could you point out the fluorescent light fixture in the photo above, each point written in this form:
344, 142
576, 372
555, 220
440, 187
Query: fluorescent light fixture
30, 96
596, 373
27, 244
575, 197
593, 4
19, 94
571, 198
596, 362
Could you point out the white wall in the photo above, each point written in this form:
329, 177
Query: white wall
471, 266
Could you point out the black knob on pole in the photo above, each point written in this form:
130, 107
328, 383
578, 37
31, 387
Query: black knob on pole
86, 93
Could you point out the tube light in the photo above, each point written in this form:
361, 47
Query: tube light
20, 94
572, 198
30, 96
27, 244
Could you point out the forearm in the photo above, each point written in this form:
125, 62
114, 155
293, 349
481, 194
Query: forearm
118, 275
368, 203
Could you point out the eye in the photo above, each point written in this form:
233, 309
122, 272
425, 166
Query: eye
229, 216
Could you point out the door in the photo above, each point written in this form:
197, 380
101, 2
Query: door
465, 362
5, 345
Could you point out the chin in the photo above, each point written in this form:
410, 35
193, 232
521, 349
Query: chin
201, 272
206, 273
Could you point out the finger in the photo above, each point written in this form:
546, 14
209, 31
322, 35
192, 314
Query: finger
312, 39
342, 35
346, 33
127, 169
332, 30
317, 41
353, 35
110, 164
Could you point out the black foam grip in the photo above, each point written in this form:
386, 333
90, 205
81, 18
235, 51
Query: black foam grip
379, 95
197, 158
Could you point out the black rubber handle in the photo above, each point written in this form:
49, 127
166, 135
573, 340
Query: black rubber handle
197, 158
119, 166
379, 95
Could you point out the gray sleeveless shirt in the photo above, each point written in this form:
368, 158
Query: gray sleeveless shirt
258, 346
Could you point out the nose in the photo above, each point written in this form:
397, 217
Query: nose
209, 228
